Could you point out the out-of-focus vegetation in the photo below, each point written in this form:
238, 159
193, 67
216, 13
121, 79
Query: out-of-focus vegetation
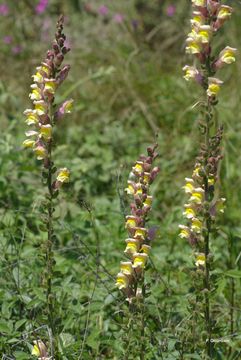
126, 80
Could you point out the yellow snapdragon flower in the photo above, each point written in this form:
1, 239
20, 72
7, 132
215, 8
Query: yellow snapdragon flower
200, 259
201, 3
148, 201
214, 86
189, 212
204, 33
126, 267
196, 171
63, 175
40, 152
32, 117
185, 232
193, 46
50, 85
139, 260
41, 107
36, 93
224, 12
130, 221
190, 72
211, 181
130, 190
196, 225
132, 246
146, 177
145, 249
39, 349
227, 55
197, 196
122, 281
140, 233
38, 77
189, 186
46, 131
29, 143
138, 168
197, 19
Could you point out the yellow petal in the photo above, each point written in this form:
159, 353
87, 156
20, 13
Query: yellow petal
63, 175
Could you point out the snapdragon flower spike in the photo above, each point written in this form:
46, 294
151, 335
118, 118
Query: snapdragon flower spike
138, 244
48, 77
208, 17
200, 188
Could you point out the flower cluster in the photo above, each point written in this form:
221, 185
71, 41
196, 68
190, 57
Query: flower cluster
41, 118
138, 243
202, 202
208, 17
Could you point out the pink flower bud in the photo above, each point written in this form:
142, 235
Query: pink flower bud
154, 173
63, 74
65, 108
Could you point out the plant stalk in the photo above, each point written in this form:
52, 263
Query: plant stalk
49, 253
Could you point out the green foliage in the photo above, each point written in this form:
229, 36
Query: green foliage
127, 90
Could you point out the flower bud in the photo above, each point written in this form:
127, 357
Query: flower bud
59, 59
65, 108
63, 74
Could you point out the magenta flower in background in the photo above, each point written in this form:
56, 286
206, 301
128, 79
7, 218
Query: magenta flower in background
4, 9
41, 6
7, 39
118, 18
16, 49
103, 10
171, 9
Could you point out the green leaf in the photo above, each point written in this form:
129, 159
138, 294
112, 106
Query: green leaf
6, 327
19, 323
20, 355
236, 274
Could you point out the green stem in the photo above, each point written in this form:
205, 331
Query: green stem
49, 253
207, 236
232, 307
207, 218
129, 334
232, 292
142, 304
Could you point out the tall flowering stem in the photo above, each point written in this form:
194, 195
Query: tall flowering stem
208, 17
42, 119
130, 279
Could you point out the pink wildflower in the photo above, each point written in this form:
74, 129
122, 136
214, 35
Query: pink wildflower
170, 11
4, 9
7, 39
118, 18
41, 6
17, 49
103, 10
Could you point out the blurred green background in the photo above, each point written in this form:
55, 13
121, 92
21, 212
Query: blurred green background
126, 81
